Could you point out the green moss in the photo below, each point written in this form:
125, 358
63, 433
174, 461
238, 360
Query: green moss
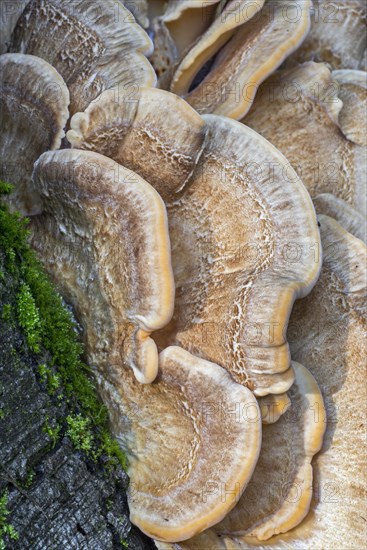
48, 377
6, 529
29, 317
124, 543
79, 431
6, 313
31, 474
52, 429
48, 324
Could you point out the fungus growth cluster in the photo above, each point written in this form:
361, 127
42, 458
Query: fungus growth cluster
191, 169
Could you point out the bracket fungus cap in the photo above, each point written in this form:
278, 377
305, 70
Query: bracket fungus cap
256, 50
352, 221
279, 494
353, 93
204, 167
195, 407
95, 45
233, 15
34, 104
337, 35
157, 134
103, 237
298, 111
273, 406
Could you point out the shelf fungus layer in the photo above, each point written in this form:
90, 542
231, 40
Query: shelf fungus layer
272, 407
34, 103
94, 45
196, 408
337, 35
175, 29
9, 15
233, 15
257, 49
298, 111
103, 237
186, 20
243, 231
352, 221
352, 90
328, 329
279, 494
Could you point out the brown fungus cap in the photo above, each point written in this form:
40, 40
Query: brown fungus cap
280, 491
232, 15
337, 36
255, 51
103, 238
186, 20
156, 134
94, 45
240, 258
9, 15
298, 111
139, 9
34, 103
352, 90
328, 328
352, 221
279, 494
175, 29
273, 406
193, 438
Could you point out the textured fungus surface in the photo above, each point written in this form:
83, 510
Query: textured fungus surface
337, 36
352, 90
95, 45
279, 494
227, 20
352, 221
255, 51
33, 112
298, 111
174, 495
236, 275
103, 238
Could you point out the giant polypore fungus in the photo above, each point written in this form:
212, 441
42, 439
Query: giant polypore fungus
193, 439
140, 10
175, 26
273, 406
242, 228
298, 111
232, 15
34, 103
181, 239
279, 494
9, 15
186, 20
337, 35
352, 221
353, 93
255, 51
328, 329
93, 45
103, 237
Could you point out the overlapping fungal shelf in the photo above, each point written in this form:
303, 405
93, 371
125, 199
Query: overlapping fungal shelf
195, 177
